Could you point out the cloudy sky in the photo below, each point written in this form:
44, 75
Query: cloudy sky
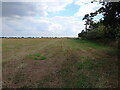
45, 17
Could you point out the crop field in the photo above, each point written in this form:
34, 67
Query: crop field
58, 63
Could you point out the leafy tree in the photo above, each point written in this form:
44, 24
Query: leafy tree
106, 28
88, 21
111, 12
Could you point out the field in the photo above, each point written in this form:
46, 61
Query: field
67, 63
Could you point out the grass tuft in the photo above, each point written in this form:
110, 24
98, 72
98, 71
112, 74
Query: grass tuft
37, 57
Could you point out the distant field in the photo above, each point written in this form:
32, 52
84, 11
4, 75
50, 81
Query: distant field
67, 63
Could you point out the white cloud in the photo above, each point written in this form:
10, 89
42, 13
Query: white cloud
41, 7
57, 5
22, 21
86, 7
33, 0
55, 26
77, 26
71, 23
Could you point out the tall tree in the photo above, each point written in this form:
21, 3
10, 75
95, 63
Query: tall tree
110, 21
88, 22
111, 12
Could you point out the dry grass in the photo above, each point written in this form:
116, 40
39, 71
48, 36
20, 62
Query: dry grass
69, 63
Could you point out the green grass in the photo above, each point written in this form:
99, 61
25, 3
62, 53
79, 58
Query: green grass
37, 56
84, 44
96, 69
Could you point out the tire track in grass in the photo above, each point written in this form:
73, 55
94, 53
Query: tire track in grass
57, 79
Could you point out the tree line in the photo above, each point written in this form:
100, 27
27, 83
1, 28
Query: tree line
107, 28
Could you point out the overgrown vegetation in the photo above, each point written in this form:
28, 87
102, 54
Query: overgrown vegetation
107, 29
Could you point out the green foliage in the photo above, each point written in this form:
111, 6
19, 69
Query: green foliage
102, 33
118, 33
106, 29
97, 33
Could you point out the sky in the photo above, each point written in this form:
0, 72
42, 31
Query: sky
47, 18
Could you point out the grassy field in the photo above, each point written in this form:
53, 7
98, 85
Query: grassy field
66, 63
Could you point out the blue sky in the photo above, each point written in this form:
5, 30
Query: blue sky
69, 10
45, 17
